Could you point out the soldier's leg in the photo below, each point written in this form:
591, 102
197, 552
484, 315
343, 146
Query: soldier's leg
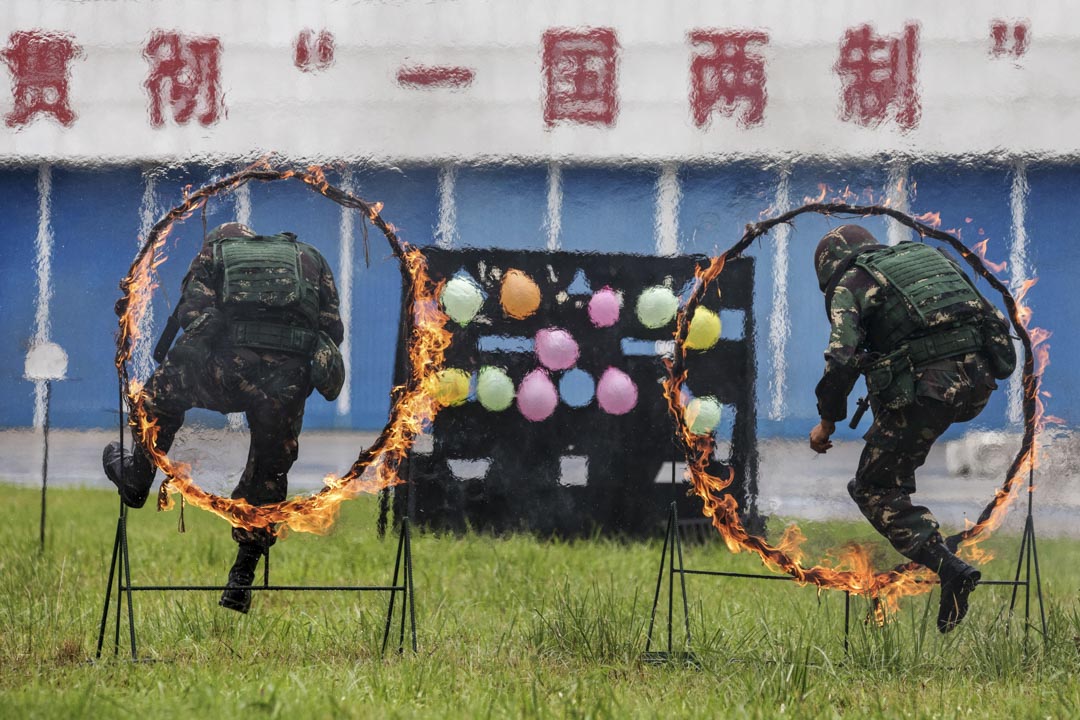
168, 397
275, 413
896, 445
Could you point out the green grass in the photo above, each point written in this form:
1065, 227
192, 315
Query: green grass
508, 627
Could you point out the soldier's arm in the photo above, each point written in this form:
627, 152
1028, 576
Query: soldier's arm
199, 309
329, 313
846, 336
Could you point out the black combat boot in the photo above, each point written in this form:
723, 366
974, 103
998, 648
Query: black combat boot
237, 594
131, 473
957, 579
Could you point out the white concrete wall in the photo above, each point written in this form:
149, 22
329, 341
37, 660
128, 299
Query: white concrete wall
972, 102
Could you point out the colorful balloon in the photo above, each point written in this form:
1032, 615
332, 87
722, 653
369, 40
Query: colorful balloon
494, 389
520, 295
704, 329
536, 396
462, 299
576, 388
604, 307
702, 414
556, 349
453, 386
616, 392
656, 306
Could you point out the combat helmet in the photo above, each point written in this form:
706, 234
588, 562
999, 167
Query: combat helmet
229, 230
836, 248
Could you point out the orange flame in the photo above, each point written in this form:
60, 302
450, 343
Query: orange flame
413, 404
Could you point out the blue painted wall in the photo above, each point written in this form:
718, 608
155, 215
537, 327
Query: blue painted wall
96, 220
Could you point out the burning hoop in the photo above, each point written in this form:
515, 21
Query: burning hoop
722, 509
412, 404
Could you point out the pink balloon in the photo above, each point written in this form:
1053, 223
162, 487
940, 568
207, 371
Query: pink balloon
536, 396
616, 392
556, 349
604, 308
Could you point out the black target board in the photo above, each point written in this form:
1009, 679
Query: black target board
595, 462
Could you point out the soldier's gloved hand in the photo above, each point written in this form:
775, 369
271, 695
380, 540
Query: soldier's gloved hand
819, 436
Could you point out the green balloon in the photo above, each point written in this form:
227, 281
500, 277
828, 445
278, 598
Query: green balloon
656, 306
461, 299
494, 389
703, 414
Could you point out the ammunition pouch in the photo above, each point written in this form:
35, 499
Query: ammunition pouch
272, 336
891, 379
999, 348
947, 343
327, 367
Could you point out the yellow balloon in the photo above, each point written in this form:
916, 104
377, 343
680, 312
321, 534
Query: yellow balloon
704, 329
453, 386
520, 295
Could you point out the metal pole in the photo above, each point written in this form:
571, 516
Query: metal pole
108, 592
126, 558
682, 582
847, 618
45, 460
671, 577
393, 592
659, 581
409, 579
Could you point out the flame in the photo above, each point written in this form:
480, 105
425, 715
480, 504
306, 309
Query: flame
413, 404
979, 249
853, 569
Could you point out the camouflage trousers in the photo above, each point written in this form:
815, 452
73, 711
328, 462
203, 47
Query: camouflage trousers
269, 388
896, 445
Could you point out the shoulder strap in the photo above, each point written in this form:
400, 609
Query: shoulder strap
834, 281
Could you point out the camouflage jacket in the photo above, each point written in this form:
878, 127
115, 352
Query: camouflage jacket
200, 312
856, 299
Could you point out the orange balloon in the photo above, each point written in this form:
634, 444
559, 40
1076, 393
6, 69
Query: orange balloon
520, 295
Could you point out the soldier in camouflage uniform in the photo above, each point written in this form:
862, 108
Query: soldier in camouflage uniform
931, 348
256, 312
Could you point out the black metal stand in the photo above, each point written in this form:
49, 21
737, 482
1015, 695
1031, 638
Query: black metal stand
120, 569
671, 559
1028, 558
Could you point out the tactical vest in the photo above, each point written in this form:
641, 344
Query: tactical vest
268, 302
930, 306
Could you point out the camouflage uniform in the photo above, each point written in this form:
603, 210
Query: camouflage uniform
205, 369
953, 389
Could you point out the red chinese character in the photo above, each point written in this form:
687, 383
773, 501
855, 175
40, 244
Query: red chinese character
314, 52
580, 74
39, 61
185, 73
729, 73
878, 73
999, 35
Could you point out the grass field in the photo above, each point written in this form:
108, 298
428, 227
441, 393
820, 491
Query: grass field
508, 627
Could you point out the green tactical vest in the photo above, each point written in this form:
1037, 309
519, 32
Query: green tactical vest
930, 306
268, 302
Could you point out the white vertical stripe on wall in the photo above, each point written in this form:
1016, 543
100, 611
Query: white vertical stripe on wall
1019, 271
553, 220
242, 208
897, 193
446, 232
668, 196
779, 317
43, 246
142, 355
242, 198
346, 240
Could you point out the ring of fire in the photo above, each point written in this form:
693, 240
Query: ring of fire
412, 404
855, 573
